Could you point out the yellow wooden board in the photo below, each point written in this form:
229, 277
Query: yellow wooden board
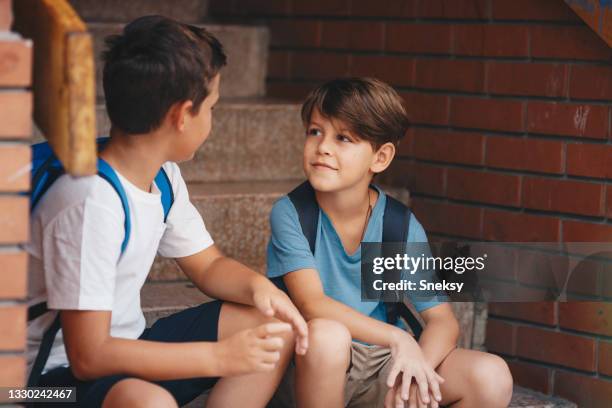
63, 82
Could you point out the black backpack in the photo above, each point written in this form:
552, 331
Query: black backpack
396, 220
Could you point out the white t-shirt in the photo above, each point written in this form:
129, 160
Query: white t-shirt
75, 259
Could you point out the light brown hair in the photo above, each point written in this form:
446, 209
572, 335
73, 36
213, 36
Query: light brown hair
371, 108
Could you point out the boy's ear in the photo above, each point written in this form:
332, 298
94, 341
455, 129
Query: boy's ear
179, 113
383, 157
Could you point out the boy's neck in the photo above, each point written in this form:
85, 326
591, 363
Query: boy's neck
138, 158
347, 204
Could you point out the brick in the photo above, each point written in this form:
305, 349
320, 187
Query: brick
321, 7
591, 82
12, 371
13, 276
529, 79
446, 218
583, 277
396, 71
14, 214
318, 65
456, 9
446, 146
479, 186
491, 40
544, 10
425, 108
608, 201
507, 226
530, 375
257, 7
6, 15
542, 269
16, 63
406, 144
577, 231
421, 178
544, 156
590, 160
353, 35
560, 348
500, 337
419, 38
563, 196
536, 312
14, 167
289, 90
452, 75
579, 120
584, 391
483, 113
605, 358
13, 328
15, 114
278, 64
591, 317
568, 42
295, 33
396, 8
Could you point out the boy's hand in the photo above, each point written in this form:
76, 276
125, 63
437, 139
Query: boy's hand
275, 303
252, 350
393, 399
408, 363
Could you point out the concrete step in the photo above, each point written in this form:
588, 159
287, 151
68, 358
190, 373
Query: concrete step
236, 215
188, 11
252, 139
160, 299
246, 48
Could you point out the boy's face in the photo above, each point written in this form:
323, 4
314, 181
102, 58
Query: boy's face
335, 158
197, 127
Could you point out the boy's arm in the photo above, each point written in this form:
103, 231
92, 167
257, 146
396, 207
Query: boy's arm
440, 335
225, 278
93, 353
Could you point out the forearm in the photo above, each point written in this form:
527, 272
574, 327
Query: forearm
150, 360
438, 339
229, 280
361, 327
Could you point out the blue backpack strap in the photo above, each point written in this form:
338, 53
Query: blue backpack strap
396, 223
305, 202
162, 181
303, 199
107, 173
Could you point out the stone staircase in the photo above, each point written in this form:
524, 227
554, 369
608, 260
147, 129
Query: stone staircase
252, 157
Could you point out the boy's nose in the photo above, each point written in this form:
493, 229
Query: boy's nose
324, 146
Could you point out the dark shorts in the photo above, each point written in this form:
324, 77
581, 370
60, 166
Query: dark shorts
199, 323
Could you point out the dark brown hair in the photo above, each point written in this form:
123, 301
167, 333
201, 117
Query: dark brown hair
155, 63
371, 108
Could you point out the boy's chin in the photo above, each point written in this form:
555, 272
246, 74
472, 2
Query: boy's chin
324, 186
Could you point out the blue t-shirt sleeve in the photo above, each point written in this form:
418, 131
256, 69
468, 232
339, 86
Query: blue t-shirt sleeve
416, 233
288, 248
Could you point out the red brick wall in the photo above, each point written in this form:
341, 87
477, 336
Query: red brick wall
510, 101
15, 130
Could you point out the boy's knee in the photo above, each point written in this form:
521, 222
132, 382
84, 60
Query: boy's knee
492, 380
329, 342
133, 392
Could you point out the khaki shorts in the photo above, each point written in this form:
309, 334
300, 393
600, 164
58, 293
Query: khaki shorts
365, 380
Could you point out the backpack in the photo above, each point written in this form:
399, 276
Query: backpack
396, 220
46, 169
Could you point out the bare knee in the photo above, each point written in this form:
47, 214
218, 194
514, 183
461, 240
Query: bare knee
133, 392
491, 379
329, 344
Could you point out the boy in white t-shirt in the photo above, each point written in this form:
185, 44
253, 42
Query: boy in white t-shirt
161, 81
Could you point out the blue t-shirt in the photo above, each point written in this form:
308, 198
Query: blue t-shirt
340, 273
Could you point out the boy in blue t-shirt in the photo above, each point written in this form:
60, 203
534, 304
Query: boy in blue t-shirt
353, 127
161, 82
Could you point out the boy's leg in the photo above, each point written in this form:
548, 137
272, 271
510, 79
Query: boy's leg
133, 392
252, 390
320, 375
475, 379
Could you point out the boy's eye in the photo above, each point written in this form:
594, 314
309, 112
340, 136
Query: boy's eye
343, 138
313, 132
